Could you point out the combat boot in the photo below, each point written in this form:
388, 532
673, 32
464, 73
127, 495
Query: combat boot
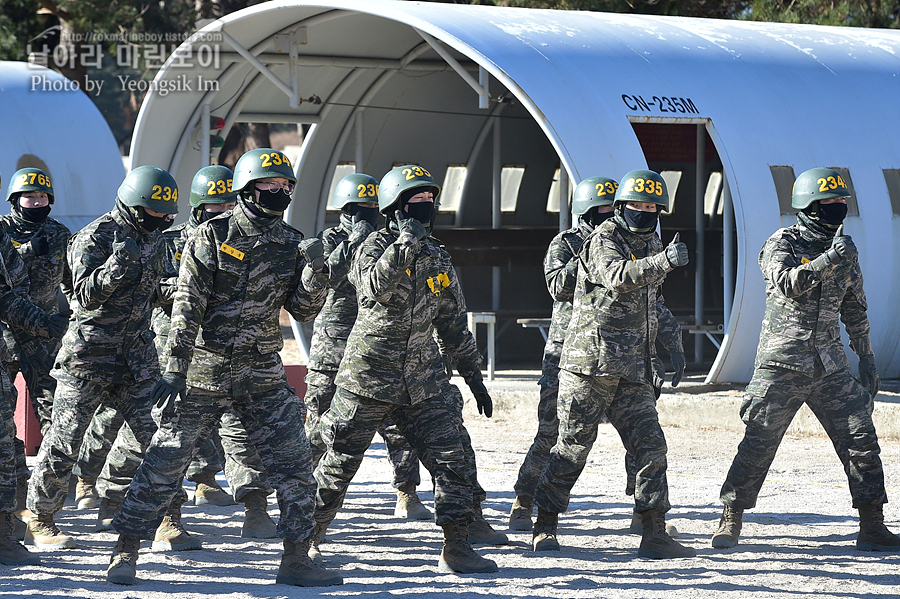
520, 514
43, 533
208, 491
543, 538
298, 569
123, 563
12, 553
729, 528
637, 526
656, 543
480, 530
108, 510
257, 523
86, 493
19, 528
458, 555
409, 506
171, 535
22, 514
318, 537
873, 534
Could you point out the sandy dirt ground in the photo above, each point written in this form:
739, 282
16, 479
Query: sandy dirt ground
799, 541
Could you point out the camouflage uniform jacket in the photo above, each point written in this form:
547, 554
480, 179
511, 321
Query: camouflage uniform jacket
407, 290
236, 273
802, 307
618, 309
45, 273
173, 242
560, 273
332, 325
109, 338
16, 310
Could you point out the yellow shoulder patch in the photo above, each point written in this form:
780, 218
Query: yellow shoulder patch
177, 255
14, 242
805, 260
232, 251
408, 272
632, 257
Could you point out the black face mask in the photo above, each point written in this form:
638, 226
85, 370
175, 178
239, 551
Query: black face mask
594, 218
369, 213
155, 223
35, 215
276, 201
832, 214
421, 211
639, 221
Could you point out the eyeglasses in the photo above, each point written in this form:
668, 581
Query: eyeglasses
275, 186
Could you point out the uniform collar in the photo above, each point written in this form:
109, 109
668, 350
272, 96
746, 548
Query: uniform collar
24, 225
254, 226
123, 219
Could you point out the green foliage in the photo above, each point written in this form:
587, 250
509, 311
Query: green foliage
859, 13
19, 22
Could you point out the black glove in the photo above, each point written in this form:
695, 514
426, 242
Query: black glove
58, 323
313, 252
361, 227
868, 375
32, 366
677, 252
678, 363
843, 246
125, 249
40, 246
658, 375
166, 390
410, 225
482, 398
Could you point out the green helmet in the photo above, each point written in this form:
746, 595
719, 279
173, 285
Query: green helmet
404, 178
593, 191
643, 186
355, 189
818, 184
150, 187
262, 163
29, 179
212, 185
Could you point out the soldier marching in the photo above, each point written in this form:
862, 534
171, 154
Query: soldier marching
389, 329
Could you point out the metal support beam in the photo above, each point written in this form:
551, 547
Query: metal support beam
348, 62
496, 220
565, 215
258, 65
700, 226
277, 117
484, 79
481, 90
204, 135
358, 127
727, 250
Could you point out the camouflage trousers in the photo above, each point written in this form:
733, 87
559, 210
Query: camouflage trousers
631, 409
8, 452
243, 468
320, 389
539, 453
842, 406
429, 426
454, 401
74, 405
274, 421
